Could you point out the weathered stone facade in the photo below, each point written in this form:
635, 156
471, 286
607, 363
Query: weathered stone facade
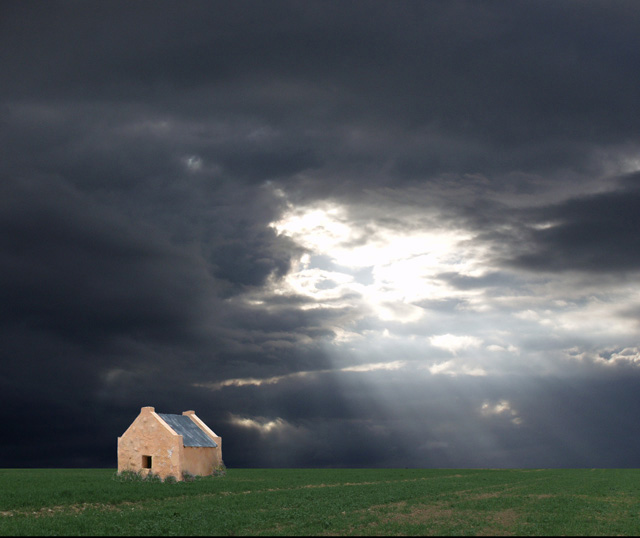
150, 444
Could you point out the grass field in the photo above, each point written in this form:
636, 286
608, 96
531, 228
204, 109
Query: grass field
324, 502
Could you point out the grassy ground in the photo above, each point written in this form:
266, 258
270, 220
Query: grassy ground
324, 502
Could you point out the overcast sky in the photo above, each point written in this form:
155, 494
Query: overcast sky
346, 234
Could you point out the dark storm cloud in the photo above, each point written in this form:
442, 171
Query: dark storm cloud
72, 269
79, 285
461, 87
100, 309
488, 280
146, 147
595, 233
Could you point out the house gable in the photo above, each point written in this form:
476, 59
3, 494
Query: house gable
150, 445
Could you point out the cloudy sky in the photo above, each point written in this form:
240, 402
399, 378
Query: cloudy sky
347, 234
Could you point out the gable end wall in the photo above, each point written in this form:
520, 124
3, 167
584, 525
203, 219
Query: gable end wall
211, 457
149, 435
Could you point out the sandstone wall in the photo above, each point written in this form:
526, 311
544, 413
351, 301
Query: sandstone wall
214, 455
148, 435
199, 460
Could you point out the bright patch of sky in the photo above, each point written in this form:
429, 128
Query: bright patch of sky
411, 288
389, 269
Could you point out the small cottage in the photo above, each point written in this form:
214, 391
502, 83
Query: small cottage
169, 445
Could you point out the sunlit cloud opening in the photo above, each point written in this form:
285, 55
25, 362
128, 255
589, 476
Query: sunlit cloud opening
403, 261
400, 284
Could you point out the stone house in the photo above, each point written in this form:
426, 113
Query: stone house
169, 445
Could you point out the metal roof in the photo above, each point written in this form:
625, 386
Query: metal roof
192, 435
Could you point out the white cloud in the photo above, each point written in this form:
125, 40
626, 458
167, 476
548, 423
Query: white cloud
501, 408
609, 357
453, 369
261, 424
193, 163
252, 381
247, 381
501, 349
600, 316
454, 343
394, 365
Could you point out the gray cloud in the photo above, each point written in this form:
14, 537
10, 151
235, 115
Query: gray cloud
596, 233
487, 152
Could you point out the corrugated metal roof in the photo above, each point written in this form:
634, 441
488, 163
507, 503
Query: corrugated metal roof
192, 435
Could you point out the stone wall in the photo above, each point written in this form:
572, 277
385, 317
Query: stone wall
148, 435
199, 460
214, 455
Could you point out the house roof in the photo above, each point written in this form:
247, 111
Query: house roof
192, 435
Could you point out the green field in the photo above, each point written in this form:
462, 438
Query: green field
324, 502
